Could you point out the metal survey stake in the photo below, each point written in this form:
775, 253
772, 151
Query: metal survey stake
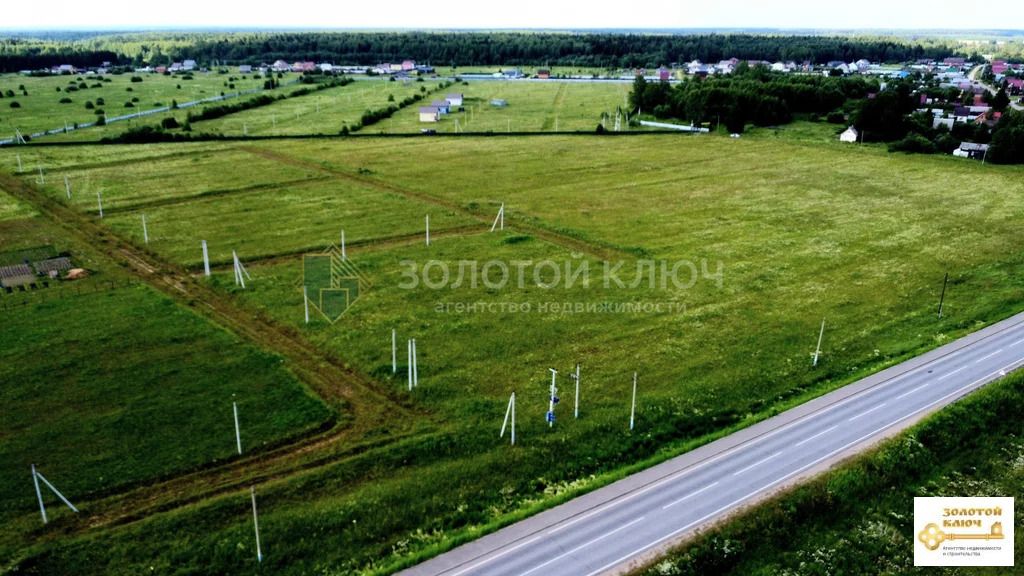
552, 399
343, 246
145, 233
415, 366
99, 202
822, 334
42, 180
206, 258
500, 218
511, 410
256, 524
238, 433
576, 377
305, 302
943, 296
428, 229
67, 187
408, 345
394, 354
19, 164
39, 494
632, 411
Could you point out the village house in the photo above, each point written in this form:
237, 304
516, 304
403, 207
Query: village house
543, 73
408, 65
971, 150
849, 135
454, 99
245, 69
442, 106
429, 114
664, 73
282, 66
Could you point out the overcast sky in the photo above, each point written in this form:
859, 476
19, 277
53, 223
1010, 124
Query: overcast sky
885, 14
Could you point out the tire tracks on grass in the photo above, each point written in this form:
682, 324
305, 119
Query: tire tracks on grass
360, 408
552, 236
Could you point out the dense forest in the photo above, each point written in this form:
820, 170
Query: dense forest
461, 48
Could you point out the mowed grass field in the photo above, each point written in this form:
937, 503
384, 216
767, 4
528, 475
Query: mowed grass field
109, 385
323, 112
41, 109
801, 231
532, 107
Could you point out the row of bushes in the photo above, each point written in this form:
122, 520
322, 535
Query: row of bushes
371, 117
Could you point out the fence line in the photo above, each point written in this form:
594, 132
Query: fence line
58, 290
144, 113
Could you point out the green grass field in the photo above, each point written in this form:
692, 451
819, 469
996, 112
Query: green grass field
41, 109
802, 227
110, 385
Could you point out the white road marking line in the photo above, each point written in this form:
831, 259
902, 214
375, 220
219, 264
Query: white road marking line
989, 356
912, 391
944, 376
1015, 343
790, 475
756, 464
690, 495
582, 546
496, 556
870, 410
806, 440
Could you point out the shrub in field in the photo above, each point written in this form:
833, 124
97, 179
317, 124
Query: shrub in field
65, 100
15, 104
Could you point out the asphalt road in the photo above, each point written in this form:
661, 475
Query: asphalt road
630, 521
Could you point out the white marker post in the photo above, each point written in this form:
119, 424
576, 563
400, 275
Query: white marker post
415, 366
408, 344
822, 334
245, 129
38, 476
67, 187
551, 400
20, 171
576, 376
239, 270
42, 180
238, 433
145, 232
39, 494
99, 202
632, 411
206, 259
256, 524
305, 302
394, 354
500, 218
343, 246
510, 410
428, 229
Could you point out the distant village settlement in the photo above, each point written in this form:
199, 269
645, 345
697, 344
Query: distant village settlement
952, 73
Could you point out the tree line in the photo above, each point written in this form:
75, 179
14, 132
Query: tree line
749, 95
600, 50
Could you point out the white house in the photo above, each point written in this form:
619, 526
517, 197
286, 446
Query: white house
849, 135
454, 99
188, 64
245, 69
428, 114
325, 67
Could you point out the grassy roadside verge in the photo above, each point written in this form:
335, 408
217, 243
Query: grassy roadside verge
858, 518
